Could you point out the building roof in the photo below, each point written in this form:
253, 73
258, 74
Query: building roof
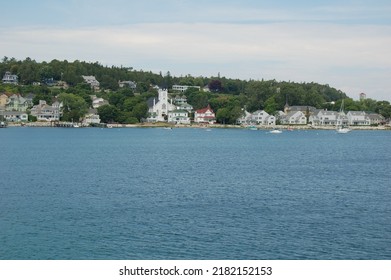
203, 110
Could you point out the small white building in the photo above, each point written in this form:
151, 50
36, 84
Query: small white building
245, 119
358, 118
294, 117
179, 117
263, 118
8, 78
128, 84
205, 115
91, 117
14, 116
324, 118
183, 88
92, 81
98, 101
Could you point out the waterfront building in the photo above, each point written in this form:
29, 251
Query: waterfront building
294, 117
205, 115
358, 118
263, 118
14, 116
179, 117
160, 107
45, 112
91, 117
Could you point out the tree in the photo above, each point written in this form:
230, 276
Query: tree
74, 107
140, 111
108, 113
215, 86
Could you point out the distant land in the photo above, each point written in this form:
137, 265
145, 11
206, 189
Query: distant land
128, 90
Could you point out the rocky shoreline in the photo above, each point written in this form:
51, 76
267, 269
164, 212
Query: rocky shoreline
167, 125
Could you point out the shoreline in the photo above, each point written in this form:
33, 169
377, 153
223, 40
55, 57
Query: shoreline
220, 126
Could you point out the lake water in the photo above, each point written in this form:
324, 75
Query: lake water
194, 194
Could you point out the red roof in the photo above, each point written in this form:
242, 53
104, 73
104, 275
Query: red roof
201, 111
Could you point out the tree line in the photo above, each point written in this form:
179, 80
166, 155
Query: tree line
226, 96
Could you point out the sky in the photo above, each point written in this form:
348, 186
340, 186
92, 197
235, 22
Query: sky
346, 44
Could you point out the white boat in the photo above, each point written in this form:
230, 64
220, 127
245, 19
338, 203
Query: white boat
76, 125
342, 128
275, 131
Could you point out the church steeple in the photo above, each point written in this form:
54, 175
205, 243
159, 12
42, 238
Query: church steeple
286, 107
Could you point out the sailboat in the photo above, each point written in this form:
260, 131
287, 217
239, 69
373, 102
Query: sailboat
340, 127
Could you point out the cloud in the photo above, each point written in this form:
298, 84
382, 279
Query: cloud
340, 55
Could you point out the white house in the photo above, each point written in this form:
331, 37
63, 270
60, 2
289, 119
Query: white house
45, 112
245, 118
8, 78
98, 101
358, 118
184, 88
262, 117
158, 109
294, 117
92, 81
91, 117
376, 119
179, 117
205, 115
14, 116
128, 84
324, 117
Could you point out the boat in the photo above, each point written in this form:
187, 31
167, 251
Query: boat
275, 131
252, 127
76, 125
340, 128
3, 124
343, 129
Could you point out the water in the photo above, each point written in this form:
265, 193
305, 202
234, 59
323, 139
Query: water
194, 194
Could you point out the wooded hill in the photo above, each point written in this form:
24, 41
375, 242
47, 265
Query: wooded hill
227, 96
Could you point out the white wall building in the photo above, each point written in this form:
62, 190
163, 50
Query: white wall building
184, 88
358, 118
179, 117
294, 117
159, 109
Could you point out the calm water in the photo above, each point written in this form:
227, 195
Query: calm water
194, 194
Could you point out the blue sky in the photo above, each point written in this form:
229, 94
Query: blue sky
345, 44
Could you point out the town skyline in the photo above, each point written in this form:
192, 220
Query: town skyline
341, 43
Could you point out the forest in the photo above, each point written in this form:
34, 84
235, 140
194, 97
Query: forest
226, 96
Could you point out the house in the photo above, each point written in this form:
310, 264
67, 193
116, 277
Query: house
358, 118
376, 119
294, 117
263, 118
184, 88
324, 117
159, 108
91, 80
205, 115
180, 99
8, 78
179, 117
14, 116
127, 84
91, 117
245, 119
98, 101
184, 106
16, 103
45, 112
